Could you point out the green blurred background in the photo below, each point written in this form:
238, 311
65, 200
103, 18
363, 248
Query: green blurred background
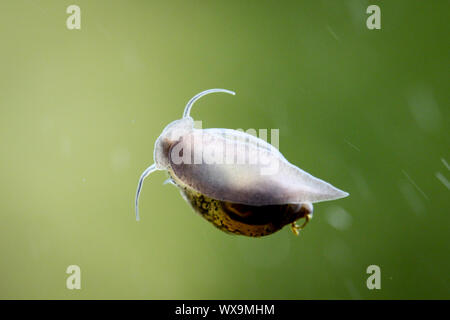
366, 110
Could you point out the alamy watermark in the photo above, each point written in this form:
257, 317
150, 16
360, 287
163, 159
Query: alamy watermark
73, 281
374, 20
229, 147
74, 20
374, 280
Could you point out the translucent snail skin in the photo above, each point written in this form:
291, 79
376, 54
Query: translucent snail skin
238, 182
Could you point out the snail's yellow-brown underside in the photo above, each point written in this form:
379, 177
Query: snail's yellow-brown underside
252, 221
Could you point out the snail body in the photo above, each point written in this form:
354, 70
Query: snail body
238, 182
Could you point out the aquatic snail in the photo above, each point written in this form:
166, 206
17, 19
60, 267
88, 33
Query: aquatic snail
238, 182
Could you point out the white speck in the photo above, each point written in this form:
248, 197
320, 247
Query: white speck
169, 181
361, 184
332, 33
338, 218
443, 179
133, 121
83, 180
445, 163
415, 185
352, 145
412, 198
424, 108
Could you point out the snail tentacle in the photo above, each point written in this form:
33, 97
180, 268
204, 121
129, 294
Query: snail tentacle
191, 102
144, 175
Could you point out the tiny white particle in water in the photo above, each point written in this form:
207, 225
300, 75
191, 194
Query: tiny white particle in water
332, 33
424, 108
361, 184
338, 218
412, 197
415, 184
445, 163
443, 179
352, 145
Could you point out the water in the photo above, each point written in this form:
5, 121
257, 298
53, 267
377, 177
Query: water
366, 110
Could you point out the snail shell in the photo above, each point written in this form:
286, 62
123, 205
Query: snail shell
241, 219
